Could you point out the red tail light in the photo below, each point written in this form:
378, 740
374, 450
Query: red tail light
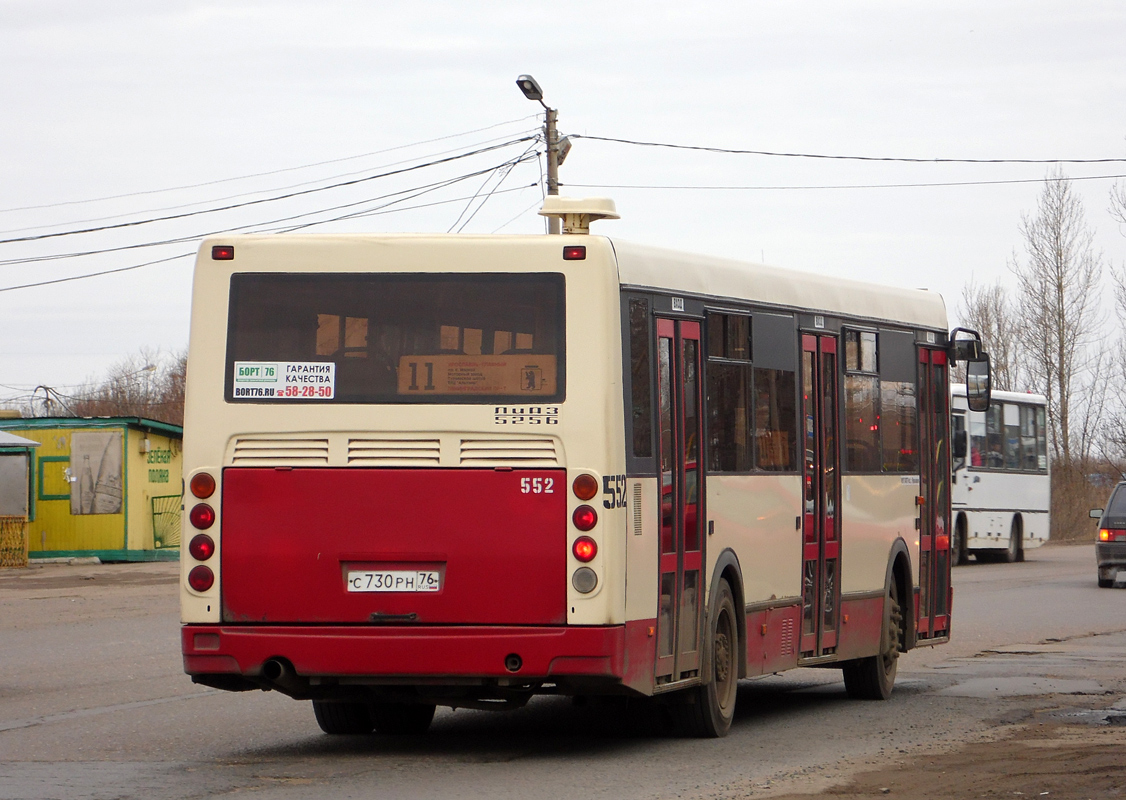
584, 549
202, 485
1112, 535
202, 516
201, 578
584, 518
202, 547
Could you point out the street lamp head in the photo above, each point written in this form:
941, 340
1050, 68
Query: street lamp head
530, 88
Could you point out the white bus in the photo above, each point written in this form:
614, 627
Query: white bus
1001, 492
465, 470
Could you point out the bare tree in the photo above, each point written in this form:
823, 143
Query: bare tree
145, 384
989, 311
1058, 300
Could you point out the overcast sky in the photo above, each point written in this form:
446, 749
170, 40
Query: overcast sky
122, 111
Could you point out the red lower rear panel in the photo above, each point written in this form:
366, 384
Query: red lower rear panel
497, 540
421, 651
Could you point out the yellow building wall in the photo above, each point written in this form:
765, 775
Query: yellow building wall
151, 467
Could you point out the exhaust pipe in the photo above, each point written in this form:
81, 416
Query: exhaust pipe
279, 673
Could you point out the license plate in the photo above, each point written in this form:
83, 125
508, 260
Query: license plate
394, 580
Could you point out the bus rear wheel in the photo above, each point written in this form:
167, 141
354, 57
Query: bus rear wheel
402, 718
873, 678
707, 710
343, 719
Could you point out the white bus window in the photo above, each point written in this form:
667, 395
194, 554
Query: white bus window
1041, 440
995, 436
979, 445
1012, 436
392, 338
1028, 455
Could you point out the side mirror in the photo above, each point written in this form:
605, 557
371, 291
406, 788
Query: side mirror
960, 447
1096, 513
979, 383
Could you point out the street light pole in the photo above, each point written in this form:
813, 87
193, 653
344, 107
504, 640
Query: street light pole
532, 91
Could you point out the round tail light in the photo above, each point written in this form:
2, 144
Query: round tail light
201, 578
584, 486
584, 549
584, 518
202, 547
202, 485
202, 516
584, 580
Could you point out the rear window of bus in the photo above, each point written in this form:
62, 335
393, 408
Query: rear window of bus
395, 338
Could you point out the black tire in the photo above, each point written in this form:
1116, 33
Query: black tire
873, 678
343, 719
1106, 583
1013, 552
960, 554
707, 711
402, 719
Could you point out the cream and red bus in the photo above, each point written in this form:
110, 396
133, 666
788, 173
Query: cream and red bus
464, 470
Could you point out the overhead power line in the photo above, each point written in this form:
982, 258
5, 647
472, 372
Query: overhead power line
384, 209
836, 157
403, 194
270, 172
837, 186
255, 192
275, 198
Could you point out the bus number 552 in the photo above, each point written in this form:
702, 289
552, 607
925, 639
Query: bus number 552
537, 485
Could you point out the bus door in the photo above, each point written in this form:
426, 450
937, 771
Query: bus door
680, 612
933, 607
821, 479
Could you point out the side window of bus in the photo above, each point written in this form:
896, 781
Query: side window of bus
995, 437
751, 403
879, 402
979, 444
861, 401
641, 384
730, 422
1010, 437
958, 440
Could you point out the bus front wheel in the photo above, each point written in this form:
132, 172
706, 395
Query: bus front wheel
1014, 552
961, 548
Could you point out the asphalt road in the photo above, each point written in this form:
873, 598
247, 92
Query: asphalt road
94, 704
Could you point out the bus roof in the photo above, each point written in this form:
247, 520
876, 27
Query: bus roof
701, 276
643, 266
959, 390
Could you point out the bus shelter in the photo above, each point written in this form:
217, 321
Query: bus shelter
16, 455
102, 486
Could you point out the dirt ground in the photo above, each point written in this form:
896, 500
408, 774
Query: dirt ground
1039, 759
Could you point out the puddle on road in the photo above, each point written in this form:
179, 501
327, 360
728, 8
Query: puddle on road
1020, 686
1111, 717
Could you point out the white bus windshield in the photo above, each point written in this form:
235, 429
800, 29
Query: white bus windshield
395, 338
